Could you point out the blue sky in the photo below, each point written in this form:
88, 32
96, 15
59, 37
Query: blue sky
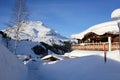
67, 17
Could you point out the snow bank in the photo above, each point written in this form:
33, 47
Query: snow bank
84, 68
82, 53
10, 67
89, 65
114, 55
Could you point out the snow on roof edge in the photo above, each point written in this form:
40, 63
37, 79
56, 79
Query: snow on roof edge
52, 55
99, 29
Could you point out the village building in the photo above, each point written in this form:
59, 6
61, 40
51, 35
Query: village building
52, 57
98, 36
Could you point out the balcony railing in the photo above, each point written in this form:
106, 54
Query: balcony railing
95, 46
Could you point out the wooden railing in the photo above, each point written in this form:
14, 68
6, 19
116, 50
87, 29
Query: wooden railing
95, 46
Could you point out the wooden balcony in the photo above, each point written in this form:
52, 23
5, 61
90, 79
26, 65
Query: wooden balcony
95, 46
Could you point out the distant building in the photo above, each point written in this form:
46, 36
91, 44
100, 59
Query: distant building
52, 57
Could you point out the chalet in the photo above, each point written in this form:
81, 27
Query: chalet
92, 41
96, 36
52, 57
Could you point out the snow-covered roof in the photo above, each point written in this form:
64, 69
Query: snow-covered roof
99, 29
116, 14
53, 55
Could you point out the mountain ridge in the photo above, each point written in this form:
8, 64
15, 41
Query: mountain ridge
37, 32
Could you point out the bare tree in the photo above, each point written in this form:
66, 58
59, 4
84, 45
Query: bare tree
20, 14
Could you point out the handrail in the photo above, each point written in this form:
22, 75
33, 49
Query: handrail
94, 46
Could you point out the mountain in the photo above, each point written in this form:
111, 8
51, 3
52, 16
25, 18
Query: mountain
35, 38
99, 29
36, 32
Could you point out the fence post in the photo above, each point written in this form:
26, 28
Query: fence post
109, 43
105, 53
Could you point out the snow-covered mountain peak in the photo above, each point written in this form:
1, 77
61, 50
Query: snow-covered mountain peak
34, 28
35, 31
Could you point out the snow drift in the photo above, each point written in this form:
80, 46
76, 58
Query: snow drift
88, 65
10, 67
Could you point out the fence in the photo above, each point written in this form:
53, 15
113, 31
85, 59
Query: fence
95, 46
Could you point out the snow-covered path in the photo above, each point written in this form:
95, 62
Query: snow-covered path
90, 67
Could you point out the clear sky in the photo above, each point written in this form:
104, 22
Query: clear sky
64, 16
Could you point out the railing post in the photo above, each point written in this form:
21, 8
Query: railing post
105, 53
109, 43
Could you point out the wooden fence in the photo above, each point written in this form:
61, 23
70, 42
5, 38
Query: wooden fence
95, 46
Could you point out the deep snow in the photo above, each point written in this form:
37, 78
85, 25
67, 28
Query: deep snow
76, 65
10, 67
87, 65
24, 47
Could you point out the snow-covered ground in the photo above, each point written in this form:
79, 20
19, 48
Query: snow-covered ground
24, 47
77, 65
10, 67
86, 65
114, 55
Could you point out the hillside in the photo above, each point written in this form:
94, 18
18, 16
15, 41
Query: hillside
35, 35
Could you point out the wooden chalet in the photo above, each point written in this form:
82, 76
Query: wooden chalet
52, 58
94, 38
92, 41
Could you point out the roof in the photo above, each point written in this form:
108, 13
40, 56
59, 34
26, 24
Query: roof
116, 14
53, 55
99, 29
